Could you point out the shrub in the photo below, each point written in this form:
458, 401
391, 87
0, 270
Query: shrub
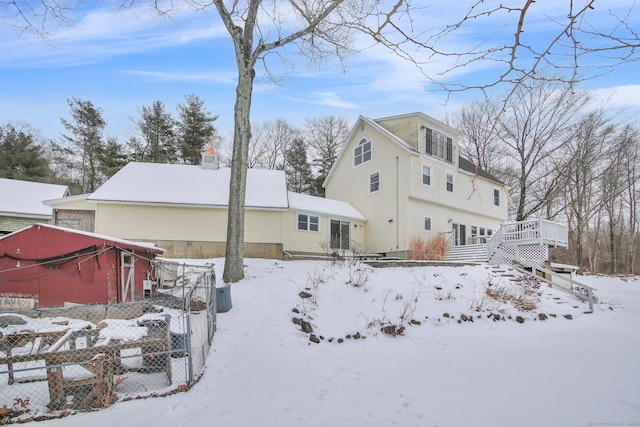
433, 249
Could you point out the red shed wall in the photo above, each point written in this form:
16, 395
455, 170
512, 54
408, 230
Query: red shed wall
89, 278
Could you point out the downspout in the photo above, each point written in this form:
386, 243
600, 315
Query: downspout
397, 204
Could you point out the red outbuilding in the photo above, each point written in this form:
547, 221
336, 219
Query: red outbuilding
48, 266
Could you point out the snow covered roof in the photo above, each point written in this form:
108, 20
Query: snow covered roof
321, 205
112, 239
25, 197
190, 185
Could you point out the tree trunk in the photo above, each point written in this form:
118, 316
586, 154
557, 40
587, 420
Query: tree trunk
234, 258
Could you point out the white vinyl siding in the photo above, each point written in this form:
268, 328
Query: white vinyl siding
141, 222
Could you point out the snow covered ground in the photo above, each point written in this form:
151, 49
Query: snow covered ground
264, 371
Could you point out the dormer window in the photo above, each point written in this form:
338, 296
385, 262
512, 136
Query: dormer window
438, 145
362, 152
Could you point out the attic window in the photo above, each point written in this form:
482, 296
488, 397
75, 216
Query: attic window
362, 153
438, 145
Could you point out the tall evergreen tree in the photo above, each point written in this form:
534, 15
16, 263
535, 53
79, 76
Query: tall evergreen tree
297, 167
20, 156
85, 129
195, 127
111, 158
158, 132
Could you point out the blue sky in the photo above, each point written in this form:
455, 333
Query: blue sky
124, 59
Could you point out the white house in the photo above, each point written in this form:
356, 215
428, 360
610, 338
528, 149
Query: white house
405, 175
183, 208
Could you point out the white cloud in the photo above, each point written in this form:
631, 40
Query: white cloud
206, 77
617, 96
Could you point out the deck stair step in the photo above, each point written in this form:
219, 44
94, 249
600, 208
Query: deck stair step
467, 253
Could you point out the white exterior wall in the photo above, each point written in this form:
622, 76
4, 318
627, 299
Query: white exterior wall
396, 213
183, 223
316, 241
386, 228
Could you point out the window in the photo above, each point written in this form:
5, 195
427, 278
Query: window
374, 182
438, 145
362, 153
308, 222
426, 175
496, 197
426, 223
449, 182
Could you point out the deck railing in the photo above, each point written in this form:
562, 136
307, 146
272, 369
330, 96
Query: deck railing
529, 232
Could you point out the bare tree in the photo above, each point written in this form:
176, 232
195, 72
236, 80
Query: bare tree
38, 16
582, 173
326, 136
533, 129
269, 144
576, 32
479, 143
628, 145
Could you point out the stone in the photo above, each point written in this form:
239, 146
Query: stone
297, 321
519, 319
415, 322
357, 336
340, 340
306, 327
568, 316
446, 315
464, 317
304, 294
542, 316
295, 310
314, 339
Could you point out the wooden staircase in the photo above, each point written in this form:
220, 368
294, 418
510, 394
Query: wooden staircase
467, 253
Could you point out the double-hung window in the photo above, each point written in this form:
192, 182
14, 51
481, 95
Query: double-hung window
308, 222
426, 175
449, 182
374, 182
362, 152
496, 197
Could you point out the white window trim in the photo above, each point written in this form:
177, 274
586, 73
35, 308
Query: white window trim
453, 182
369, 182
360, 143
308, 215
426, 165
424, 218
493, 197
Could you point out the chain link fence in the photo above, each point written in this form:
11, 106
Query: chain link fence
56, 361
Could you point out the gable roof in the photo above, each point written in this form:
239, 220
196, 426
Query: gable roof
463, 163
126, 244
377, 127
158, 183
304, 202
26, 197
